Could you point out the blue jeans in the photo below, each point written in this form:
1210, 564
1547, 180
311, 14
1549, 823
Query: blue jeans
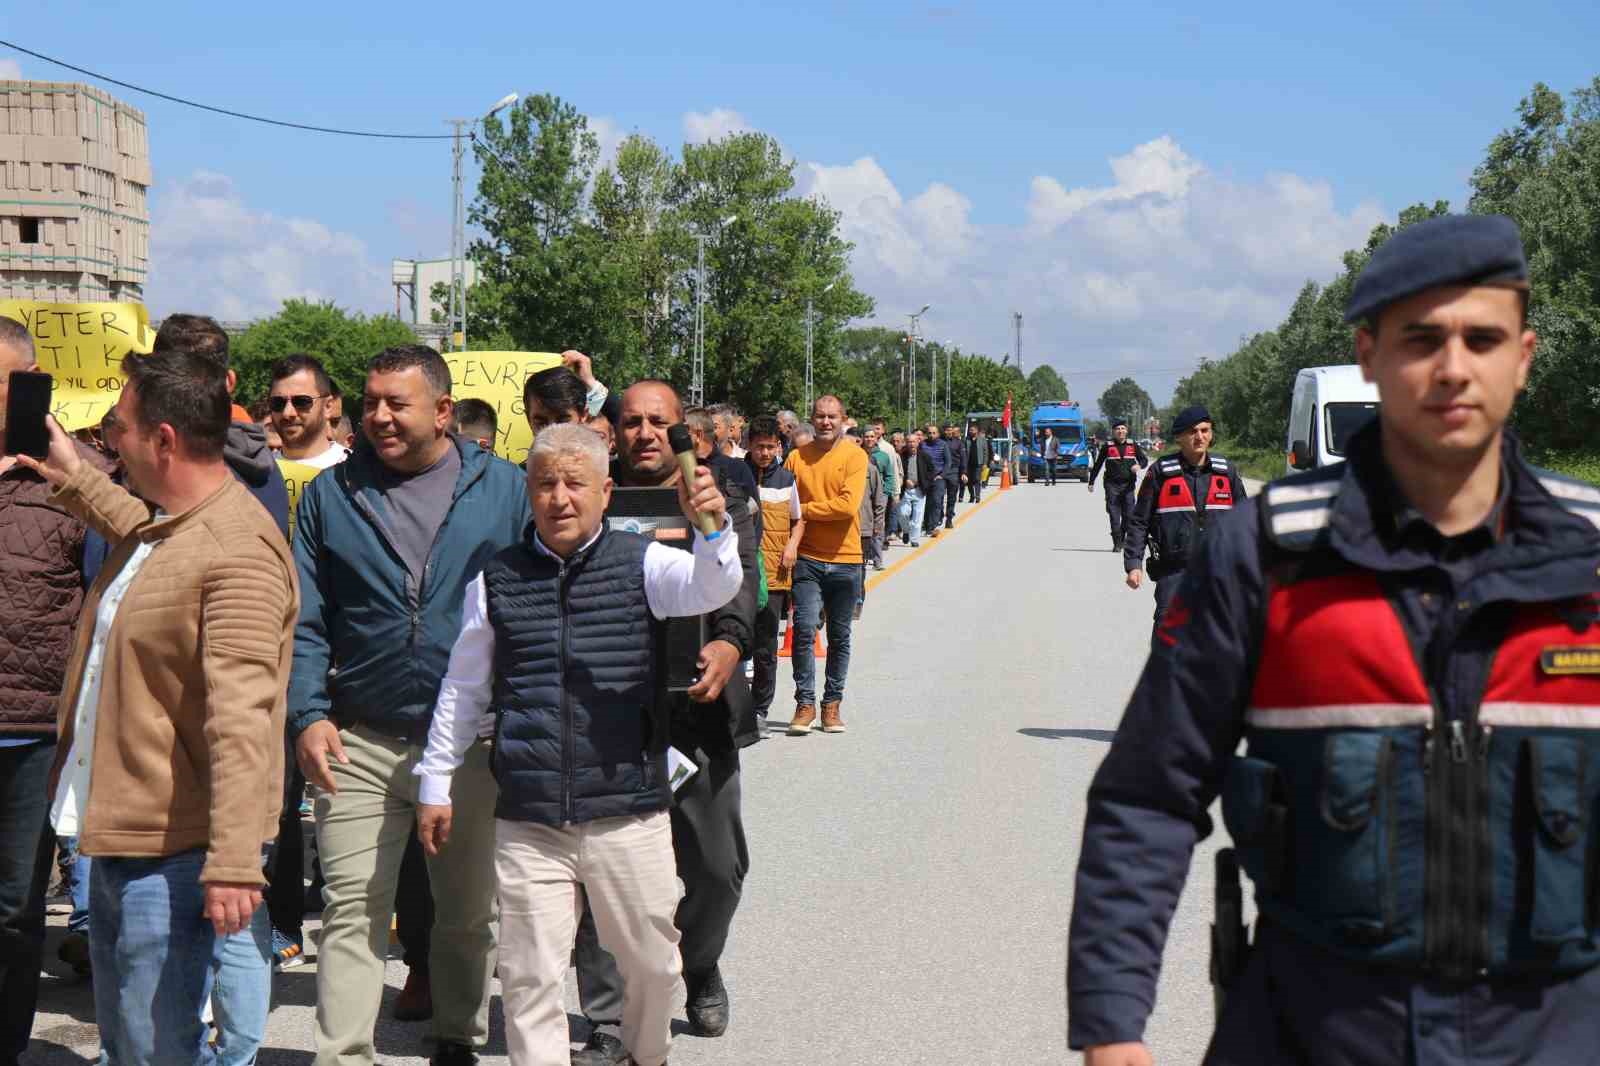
819, 586
77, 864
154, 954
911, 505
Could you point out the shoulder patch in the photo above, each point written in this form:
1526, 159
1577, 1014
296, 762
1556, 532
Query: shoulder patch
1578, 497
1169, 466
1298, 509
1219, 462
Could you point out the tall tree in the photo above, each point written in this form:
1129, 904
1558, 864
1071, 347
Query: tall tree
1125, 398
344, 340
1047, 384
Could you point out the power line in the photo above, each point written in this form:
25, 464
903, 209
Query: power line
226, 111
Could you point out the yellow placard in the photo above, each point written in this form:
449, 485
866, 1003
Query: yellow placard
82, 346
497, 379
296, 476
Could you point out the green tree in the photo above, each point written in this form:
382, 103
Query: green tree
1047, 384
345, 341
1125, 398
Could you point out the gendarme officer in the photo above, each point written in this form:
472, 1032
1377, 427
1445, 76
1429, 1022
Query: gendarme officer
1409, 646
1182, 495
1121, 459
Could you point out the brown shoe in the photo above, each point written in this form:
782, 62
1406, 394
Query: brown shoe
804, 715
831, 722
415, 1001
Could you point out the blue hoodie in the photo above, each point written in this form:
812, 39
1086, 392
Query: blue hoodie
361, 614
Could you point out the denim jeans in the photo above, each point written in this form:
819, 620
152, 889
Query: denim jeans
818, 587
154, 954
26, 848
911, 505
76, 870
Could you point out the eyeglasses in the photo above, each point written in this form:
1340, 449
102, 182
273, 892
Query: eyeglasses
301, 403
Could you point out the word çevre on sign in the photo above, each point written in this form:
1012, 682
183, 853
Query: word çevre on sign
497, 379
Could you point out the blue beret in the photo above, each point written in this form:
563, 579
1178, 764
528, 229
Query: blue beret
1189, 417
1448, 250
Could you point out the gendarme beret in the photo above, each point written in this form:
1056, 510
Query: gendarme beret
1188, 418
1448, 250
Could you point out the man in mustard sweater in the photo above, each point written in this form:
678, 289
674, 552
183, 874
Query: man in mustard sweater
827, 577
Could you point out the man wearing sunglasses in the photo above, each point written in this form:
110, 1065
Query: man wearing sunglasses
299, 406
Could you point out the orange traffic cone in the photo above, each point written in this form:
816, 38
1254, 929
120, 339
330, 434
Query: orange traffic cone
787, 649
1005, 477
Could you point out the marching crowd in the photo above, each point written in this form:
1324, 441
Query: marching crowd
468, 676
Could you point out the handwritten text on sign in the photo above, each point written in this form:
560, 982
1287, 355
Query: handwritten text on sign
82, 347
497, 379
296, 476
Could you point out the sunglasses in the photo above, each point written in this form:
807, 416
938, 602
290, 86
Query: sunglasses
301, 403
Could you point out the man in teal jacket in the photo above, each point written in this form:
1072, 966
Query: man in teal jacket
386, 544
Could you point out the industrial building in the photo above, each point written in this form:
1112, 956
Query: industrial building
74, 194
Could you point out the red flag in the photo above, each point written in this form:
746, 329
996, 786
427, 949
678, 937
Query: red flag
1005, 419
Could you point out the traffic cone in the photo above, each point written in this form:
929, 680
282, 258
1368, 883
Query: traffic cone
787, 649
1005, 477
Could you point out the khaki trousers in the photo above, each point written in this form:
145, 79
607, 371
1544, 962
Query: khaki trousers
361, 837
626, 868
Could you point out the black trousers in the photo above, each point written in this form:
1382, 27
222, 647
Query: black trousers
413, 906
933, 511
952, 496
708, 837
1119, 507
768, 620
1049, 471
286, 894
975, 486
27, 851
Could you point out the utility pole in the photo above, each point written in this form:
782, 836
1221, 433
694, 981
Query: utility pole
697, 368
911, 367
810, 323
457, 341
1016, 321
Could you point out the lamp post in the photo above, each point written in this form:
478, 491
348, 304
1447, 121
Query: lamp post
697, 382
457, 340
911, 368
810, 321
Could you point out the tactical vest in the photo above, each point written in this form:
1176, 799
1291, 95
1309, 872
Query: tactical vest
1121, 461
1177, 525
1429, 809
579, 733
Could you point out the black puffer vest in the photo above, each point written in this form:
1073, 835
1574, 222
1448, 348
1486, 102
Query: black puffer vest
579, 734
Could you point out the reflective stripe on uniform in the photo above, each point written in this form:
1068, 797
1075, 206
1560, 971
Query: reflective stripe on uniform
1340, 716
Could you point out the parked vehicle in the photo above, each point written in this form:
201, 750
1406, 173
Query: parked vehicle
1065, 419
1330, 403
992, 425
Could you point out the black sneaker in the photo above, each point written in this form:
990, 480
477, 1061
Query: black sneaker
708, 1003
603, 1049
451, 1053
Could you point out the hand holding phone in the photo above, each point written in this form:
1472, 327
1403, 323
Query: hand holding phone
27, 404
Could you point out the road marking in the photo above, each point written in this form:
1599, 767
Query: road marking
928, 542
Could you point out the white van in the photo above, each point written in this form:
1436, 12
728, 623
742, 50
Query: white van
1330, 404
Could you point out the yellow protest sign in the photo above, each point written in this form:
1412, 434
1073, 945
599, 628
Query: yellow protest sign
296, 476
497, 379
82, 346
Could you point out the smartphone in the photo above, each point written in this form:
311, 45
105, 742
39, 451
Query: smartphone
27, 402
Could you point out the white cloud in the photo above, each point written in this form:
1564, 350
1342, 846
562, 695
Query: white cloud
702, 126
10, 70
610, 134
214, 254
1164, 264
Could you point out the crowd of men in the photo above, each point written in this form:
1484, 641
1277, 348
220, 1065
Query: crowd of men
458, 669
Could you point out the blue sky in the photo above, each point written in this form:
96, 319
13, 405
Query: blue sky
1143, 182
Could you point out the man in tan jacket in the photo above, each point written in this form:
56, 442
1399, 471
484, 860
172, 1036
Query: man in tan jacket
171, 721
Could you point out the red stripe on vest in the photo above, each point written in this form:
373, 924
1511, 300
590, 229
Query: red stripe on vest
1518, 677
1334, 641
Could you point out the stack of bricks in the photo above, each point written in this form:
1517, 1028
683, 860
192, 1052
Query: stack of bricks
74, 187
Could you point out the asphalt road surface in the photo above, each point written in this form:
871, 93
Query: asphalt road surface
911, 879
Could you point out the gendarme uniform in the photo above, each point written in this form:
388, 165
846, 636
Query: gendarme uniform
1421, 718
1121, 461
1176, 505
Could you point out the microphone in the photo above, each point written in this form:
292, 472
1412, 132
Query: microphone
683, 447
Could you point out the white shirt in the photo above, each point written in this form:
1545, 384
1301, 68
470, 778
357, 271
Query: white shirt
677, 584
336, 454
72, 791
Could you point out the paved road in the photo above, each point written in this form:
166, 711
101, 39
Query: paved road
911, 879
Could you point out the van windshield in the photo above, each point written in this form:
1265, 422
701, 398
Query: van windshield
1343, 420
1064, 434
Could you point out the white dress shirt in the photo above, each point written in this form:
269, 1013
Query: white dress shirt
72, 790
677, 584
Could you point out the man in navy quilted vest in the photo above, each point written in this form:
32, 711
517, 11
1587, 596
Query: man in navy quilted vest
1409, 646
557, 662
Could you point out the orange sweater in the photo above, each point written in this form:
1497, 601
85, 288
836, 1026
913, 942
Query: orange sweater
832, 482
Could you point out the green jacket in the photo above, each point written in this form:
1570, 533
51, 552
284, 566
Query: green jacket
888, 468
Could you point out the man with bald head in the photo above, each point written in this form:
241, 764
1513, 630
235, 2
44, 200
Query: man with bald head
42, 579
710, 722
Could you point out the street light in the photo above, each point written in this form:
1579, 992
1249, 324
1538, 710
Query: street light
824, 292
457, 340
697, 381
911, 368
